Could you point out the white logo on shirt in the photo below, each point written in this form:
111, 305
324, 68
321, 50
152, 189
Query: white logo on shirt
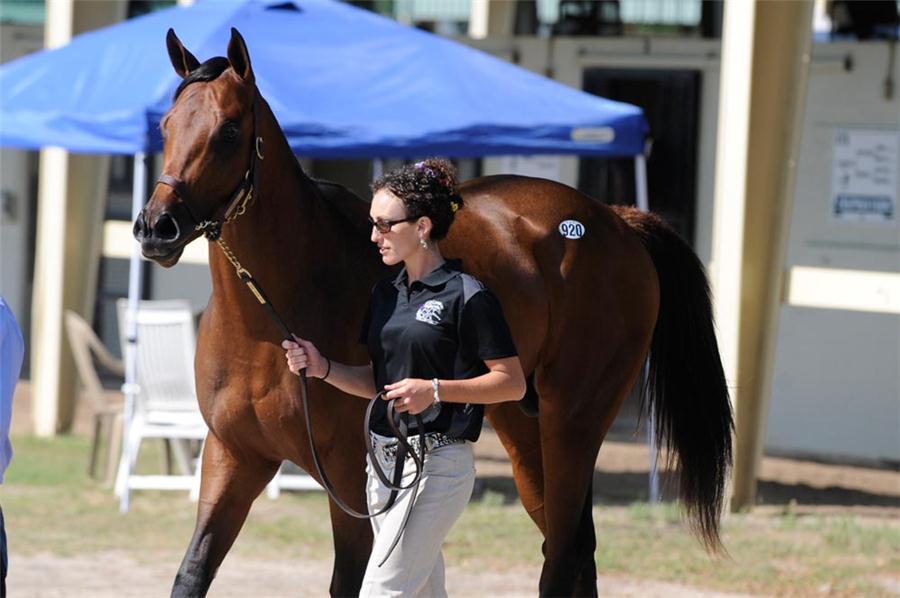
430, 312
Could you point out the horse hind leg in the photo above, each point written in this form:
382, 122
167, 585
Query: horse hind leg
521, 438
586, 541
576, 411
229, 486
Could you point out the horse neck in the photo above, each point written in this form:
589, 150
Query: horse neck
278, 238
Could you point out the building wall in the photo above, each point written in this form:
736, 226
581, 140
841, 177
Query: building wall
566, 59
836, 386
18, 173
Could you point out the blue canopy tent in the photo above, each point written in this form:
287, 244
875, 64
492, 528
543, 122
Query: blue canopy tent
343, 82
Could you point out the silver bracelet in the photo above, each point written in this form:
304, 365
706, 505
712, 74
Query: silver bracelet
436, 387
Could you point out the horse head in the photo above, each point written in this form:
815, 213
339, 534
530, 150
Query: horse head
210, 151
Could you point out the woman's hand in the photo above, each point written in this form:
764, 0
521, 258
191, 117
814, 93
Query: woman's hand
413, 395
303, 354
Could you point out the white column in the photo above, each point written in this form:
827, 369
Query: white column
71, 195
47, 295
730, 186
731, 177
491, 18
780, 70
765, 55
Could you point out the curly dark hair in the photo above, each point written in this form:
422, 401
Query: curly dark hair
426, 188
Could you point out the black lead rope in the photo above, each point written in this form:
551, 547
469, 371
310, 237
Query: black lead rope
400, 432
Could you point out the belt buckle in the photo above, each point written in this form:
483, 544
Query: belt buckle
385, 451
413, 442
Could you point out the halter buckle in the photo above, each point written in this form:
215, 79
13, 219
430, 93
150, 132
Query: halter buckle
259, 148
211, 229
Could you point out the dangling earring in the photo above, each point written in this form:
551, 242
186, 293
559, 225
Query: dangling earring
423, 243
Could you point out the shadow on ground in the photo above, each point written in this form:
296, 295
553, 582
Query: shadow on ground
624, 488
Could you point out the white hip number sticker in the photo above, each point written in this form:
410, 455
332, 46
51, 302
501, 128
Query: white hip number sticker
571, 229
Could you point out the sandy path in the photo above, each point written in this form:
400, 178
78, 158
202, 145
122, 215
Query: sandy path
112, 575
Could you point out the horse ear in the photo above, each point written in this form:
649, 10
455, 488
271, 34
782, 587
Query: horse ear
182, 60
239, 57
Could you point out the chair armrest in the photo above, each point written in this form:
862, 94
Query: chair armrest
107, 360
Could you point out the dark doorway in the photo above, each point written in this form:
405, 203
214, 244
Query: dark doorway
671, 103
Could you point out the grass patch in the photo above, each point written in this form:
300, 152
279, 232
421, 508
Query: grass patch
52, 507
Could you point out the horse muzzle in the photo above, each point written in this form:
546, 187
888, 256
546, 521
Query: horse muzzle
162, 239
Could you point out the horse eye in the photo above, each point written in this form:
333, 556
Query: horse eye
230, 131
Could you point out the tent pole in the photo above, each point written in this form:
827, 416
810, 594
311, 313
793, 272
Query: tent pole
640, 182
643, 204
129, 389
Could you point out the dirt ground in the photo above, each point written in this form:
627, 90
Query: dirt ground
621, 477
114, 576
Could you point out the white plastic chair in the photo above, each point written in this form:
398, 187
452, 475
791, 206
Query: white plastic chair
165, 399
106, 405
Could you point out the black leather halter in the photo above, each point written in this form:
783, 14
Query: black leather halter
212, 229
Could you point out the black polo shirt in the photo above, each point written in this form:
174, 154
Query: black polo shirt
444, 326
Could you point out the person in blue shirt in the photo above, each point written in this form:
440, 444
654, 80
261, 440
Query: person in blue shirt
12, 352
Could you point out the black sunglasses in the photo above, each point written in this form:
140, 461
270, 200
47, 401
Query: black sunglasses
384, 226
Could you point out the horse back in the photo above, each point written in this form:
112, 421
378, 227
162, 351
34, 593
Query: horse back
550, 285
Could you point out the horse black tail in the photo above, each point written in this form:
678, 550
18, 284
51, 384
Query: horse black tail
686, 385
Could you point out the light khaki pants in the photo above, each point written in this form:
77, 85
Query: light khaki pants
416, 566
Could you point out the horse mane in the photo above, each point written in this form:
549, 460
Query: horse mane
209, 70
344, 202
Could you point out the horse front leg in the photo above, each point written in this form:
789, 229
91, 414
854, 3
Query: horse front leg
352, 546
352, 536
228, 487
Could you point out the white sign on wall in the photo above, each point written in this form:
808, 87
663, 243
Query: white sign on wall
864, 175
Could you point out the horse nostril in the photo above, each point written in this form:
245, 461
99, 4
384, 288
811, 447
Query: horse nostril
166, 228
139, 230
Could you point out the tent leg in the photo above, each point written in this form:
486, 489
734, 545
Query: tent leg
640, 183
643, 204
134, 295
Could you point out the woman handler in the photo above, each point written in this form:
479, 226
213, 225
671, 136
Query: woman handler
440, 346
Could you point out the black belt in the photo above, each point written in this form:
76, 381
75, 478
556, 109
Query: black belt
433, 440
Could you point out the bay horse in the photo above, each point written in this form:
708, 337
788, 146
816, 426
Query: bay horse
584, 314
